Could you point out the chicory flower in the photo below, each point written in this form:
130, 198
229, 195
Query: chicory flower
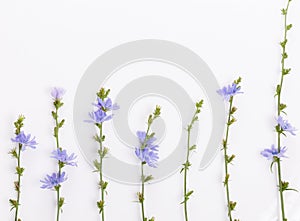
25, 140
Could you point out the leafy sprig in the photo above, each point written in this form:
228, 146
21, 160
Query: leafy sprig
187, 164
104, 106
147, 153
281, 109
228, 95
22, 141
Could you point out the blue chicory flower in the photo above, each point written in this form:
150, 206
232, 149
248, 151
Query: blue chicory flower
147, 152
23, 139
149, 142
57, 93
229, 91
98, 116
53, 181
285, 125
62, 156
106, 105
273, 152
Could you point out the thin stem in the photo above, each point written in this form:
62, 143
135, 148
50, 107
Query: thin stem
187, 164
59, 167
57, 127
100, 171
225, 160
58, 206
185, 175
143, 192
141, 195
19, 183
280, 190
279, 111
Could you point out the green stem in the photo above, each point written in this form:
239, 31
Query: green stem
19, 183
143, 192
185, 175
280, 190
143, 176
59, 165
187, 160
57, 127
58, 206
279, 111
225, 160
151, 118
101, 172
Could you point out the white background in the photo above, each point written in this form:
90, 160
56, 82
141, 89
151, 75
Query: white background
51, 43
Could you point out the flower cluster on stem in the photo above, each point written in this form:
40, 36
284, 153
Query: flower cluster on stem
55, 180
102, 114
147, 153
187, 164
228, 94
22, 141
277, 153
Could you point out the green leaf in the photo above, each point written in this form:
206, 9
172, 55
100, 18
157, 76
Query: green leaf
189, 193
150, 119
186, 165
226, 179
199, 104
14, 204
13, 153
232, 205
283, 43
233, 110
229, 159
271, 166
286, 71
284, 55
104, 152
103, 185
282, 106
17, 186
55, 134
193, 147
103, 93
285, 187
97, 138
224, 143
54, 115
187, 196
58, 104
61, 202
96, 165
20, 170
233, 120
148, 178
157, 110
100, 205
57, 187
278, 129
61, 123
140, 197
288, 27
278, 89
237, 81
